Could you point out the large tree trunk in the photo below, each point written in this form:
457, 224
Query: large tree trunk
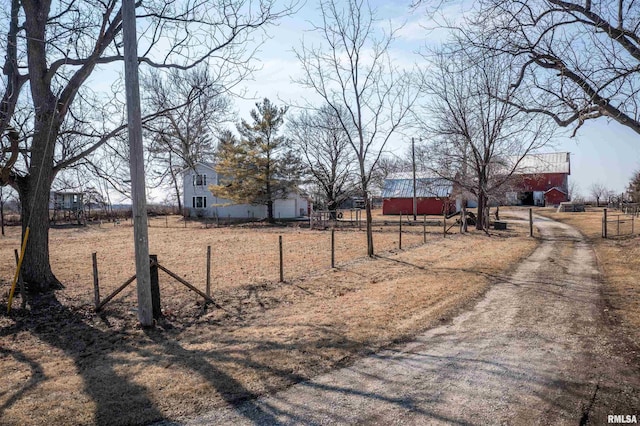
482, 205
34, 199
34, 188
270, 211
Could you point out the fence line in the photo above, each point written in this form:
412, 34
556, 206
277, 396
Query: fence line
618, 225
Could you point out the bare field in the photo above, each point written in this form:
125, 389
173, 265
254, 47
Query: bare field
64, 364
619, 260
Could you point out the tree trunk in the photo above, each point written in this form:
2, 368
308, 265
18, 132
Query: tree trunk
463, 217
34, 188
36, 270
481, 214
367, 207
270, 211
177, 189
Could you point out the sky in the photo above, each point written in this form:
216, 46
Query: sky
602, 152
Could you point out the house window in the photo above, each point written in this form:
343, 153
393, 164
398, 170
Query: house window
199, 202
200, 180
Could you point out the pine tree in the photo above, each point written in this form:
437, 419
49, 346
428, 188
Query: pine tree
261, 167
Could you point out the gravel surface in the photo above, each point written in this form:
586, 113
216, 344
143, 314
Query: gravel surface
536, 349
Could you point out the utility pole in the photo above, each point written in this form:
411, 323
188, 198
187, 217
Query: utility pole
413, 163
136, 161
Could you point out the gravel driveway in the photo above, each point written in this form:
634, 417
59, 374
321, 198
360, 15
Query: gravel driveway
534, 350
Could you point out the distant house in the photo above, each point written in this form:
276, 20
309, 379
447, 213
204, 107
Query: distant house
541, 179
68, 205
433, 194
199, 201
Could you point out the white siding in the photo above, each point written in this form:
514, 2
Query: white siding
291, 207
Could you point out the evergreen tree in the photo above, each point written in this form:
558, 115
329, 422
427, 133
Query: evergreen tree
261, 167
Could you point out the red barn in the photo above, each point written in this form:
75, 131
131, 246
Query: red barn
541, 179
432, 193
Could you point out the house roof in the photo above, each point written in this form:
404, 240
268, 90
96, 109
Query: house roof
554, 162
210, 166
555, 188
426, 187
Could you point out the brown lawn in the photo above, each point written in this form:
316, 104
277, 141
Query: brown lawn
618, 259
65, 364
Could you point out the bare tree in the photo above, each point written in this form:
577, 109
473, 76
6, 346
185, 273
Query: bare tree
476, 140
633, 190
576, 60
599, 191
353, 74
327, 155
51, 48
194, 106
386, 166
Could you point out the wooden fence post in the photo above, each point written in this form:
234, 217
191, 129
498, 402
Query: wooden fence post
424, 229
155, 286
96, 287
333, 248
209, 271
632, 225
605, 224
281, 259
531, 222
400, 233
166, 221
444, 225
618, 228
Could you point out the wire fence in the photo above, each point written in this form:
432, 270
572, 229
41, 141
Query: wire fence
619, 224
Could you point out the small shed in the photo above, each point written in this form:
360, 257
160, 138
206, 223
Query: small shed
68, 204
554, 196
433, 194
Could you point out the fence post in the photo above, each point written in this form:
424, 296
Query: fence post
605, 223
209, 271
96, 288
531, 222
155, 286
166, 221
632, 225
281, 260
424, 229
400, 233
333, 248
618, 227
444, 224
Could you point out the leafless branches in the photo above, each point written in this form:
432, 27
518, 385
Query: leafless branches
476, 136
353, 74
576, 60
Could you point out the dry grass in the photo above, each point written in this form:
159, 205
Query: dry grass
66, 365
619, 260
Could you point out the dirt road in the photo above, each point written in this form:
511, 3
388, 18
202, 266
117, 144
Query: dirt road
534, 350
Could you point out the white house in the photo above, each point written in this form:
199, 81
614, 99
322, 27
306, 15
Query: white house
200, 202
